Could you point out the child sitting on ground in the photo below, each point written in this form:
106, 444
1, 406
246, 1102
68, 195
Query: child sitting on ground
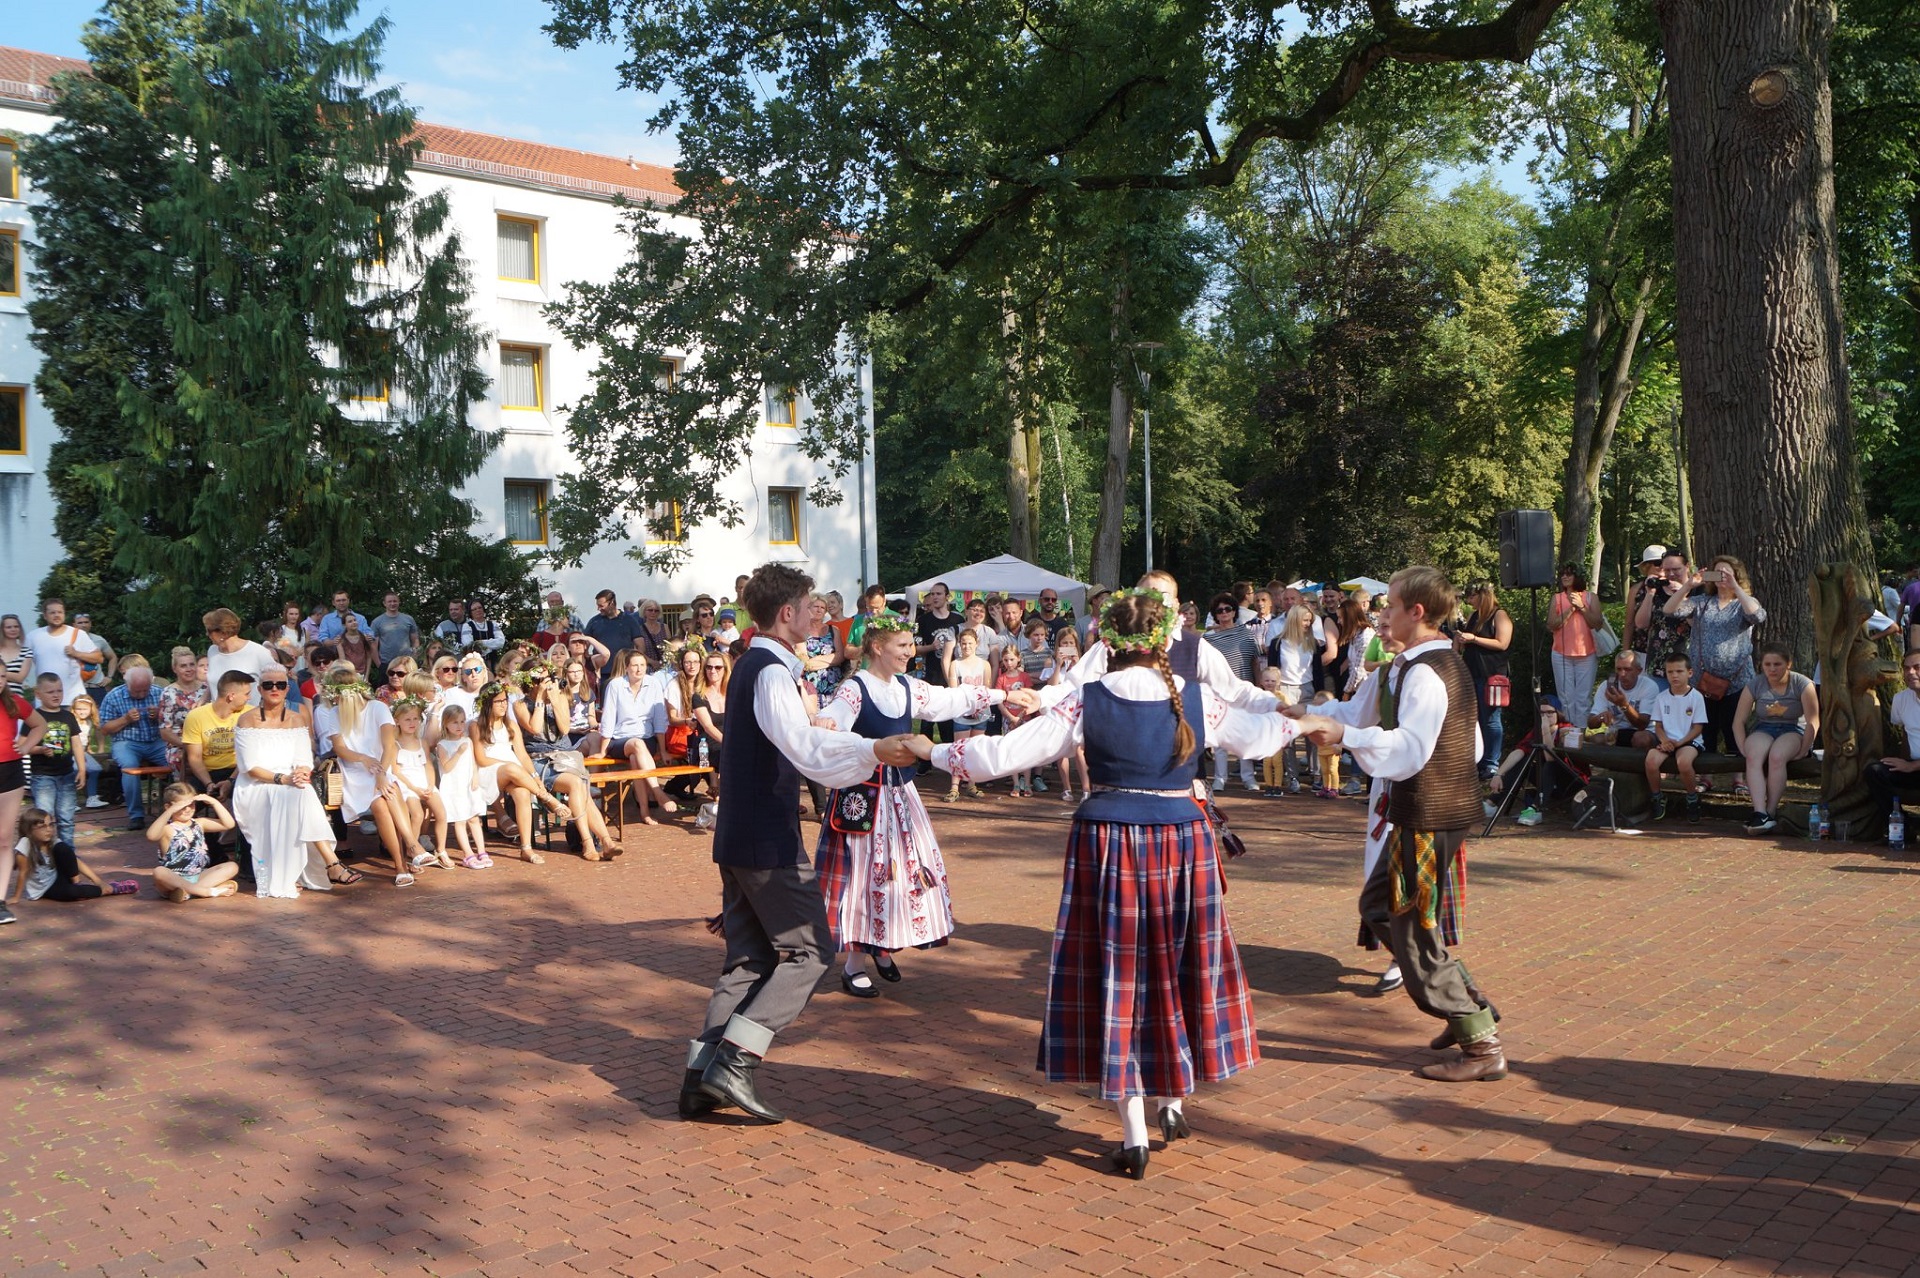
47, 870
186, 870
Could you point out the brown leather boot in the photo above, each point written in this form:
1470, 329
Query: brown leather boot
1480, 1061
1443, 1041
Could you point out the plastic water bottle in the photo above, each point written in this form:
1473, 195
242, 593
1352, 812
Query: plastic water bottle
703, 752
1815, 821
1826, 823
1897, 829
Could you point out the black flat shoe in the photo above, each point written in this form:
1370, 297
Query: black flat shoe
1173, 1125
693, 1101
860, 986
889, 972
1131, 1161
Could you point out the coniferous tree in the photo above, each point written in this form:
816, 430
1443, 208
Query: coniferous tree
302, 423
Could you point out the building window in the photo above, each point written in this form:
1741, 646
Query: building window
670, 369
520, 250
521, 378
782, 410
9, 169
527, 512
783, 516
13, 421
368, 357
663, 524
9, 263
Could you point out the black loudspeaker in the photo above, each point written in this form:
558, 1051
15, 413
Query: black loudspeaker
1526, 549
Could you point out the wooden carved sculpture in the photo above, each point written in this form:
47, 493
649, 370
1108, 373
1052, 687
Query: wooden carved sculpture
1855, 673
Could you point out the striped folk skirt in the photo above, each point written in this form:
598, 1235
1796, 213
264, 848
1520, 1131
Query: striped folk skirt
1146, 995
886, 890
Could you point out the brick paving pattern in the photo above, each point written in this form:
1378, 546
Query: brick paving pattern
1713, 1043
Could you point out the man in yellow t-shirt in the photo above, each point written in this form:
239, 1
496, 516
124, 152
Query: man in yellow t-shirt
208, 735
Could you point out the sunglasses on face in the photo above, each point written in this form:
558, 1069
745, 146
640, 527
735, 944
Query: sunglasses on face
467, 670
716, 669
269, 685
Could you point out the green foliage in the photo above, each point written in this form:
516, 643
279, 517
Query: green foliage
259, 348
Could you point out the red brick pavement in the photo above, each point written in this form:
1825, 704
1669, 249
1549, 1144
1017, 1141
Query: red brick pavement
477, 1075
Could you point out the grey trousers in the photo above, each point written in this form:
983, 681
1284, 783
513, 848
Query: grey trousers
775, 924
1436, 980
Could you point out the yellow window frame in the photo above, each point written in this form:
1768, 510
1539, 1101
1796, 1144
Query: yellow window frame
792, 497
679, 532
541, 493
534, 255
539, 354
386, 387
673, 366
13, 169
792, 401
11, 287
18, 394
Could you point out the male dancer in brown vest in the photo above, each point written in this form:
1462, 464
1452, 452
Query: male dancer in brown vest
1425, 746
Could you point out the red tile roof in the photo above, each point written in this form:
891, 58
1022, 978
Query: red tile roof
25, 75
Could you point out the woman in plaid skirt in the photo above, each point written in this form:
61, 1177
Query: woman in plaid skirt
1145, 996
878, 863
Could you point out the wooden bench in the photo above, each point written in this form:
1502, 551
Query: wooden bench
1628, 768
153, 779
614, 787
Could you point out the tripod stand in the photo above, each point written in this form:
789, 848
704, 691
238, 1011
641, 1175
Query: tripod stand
1542, 751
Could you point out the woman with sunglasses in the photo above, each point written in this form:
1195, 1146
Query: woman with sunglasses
710, 709
504, 769
544, 715
583, 708
391, 688
274, 800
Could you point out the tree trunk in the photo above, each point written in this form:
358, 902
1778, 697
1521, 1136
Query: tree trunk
1763, 373
1023, 448
1111, 526
1603, 379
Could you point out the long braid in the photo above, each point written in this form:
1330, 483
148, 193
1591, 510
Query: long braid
1183, 731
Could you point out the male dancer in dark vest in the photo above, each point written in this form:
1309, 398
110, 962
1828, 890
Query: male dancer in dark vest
1425, 747
772, 913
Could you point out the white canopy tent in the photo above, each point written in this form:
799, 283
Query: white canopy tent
1006, 575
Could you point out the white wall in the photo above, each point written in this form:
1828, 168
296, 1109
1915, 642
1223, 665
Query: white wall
579, 240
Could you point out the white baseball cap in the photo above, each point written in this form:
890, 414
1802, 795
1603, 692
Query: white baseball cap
1653, 554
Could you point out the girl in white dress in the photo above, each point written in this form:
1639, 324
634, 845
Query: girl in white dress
461, 795
362, 736
505, 768
274, 800
418, 795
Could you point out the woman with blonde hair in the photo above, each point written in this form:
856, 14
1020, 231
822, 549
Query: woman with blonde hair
1145, 993
1724, 614
359, 731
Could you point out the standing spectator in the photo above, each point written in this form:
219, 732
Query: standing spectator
1262, 618
1088, 630
617, 631
21, 728
454, 631
726, 631
1909, 616
1887, 778
823, 667
1049, 612
16, 659
229, 651
355, 645
700, 620
556, 603
1230, 636
59, 765
934, 629
310, 628
482, 632
291, 631
651, 636
1242, 592
1648, 582
1482, 641
1724, 615
1666, 632
1573, 617
1036, 651
182, 697
96, 671
133, 713
873, 603
394, 632
589, 652
208, 735
58, 649
1785, 710
334, 622
555, 626
1356, 636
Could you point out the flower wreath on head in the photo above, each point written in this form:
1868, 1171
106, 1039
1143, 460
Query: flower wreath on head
408, 703
888, 623
333, 689
1153, 640
675, 651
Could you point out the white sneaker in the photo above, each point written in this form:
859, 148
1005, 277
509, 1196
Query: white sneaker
1529, 816
96, 802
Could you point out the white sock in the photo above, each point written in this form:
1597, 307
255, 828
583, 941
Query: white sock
1393, 970
856, 965
1170, 1103
1133, 1120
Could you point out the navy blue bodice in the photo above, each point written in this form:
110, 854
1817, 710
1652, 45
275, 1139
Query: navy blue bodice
1129, 744
874, 724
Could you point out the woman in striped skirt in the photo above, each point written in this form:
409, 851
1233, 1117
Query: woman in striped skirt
1145, 996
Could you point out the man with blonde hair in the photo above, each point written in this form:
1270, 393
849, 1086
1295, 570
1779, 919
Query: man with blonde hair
1421, 736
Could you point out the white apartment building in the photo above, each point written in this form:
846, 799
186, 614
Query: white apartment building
532, 219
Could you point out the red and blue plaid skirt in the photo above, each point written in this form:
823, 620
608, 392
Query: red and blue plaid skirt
1146, 994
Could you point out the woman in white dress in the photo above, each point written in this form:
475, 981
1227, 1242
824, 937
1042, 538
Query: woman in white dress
886, 885
274, 800
360, 732
504, 768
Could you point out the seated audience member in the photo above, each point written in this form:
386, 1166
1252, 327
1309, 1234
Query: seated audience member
186, 869
132, 713
1625, 704
1784, 710
208, 735
46, 869
186, 693
1679, 718
1894, 774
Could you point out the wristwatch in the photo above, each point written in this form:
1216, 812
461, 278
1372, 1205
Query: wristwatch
279, 778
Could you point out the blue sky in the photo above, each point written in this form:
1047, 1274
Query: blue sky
476, 64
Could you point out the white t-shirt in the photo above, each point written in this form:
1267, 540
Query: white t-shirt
40, 872
254, 658
1679, 713
1640, 696
1296, 663
50, 657
364, 739
1906, 717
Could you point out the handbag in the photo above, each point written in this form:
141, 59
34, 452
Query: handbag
567, 763
1499, 692
679, 740
1605, 642
1713, 686
328, 782
852, 809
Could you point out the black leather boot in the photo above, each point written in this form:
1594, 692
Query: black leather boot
728, 1079
693, 1101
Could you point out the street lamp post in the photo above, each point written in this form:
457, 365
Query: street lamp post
1146, 440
